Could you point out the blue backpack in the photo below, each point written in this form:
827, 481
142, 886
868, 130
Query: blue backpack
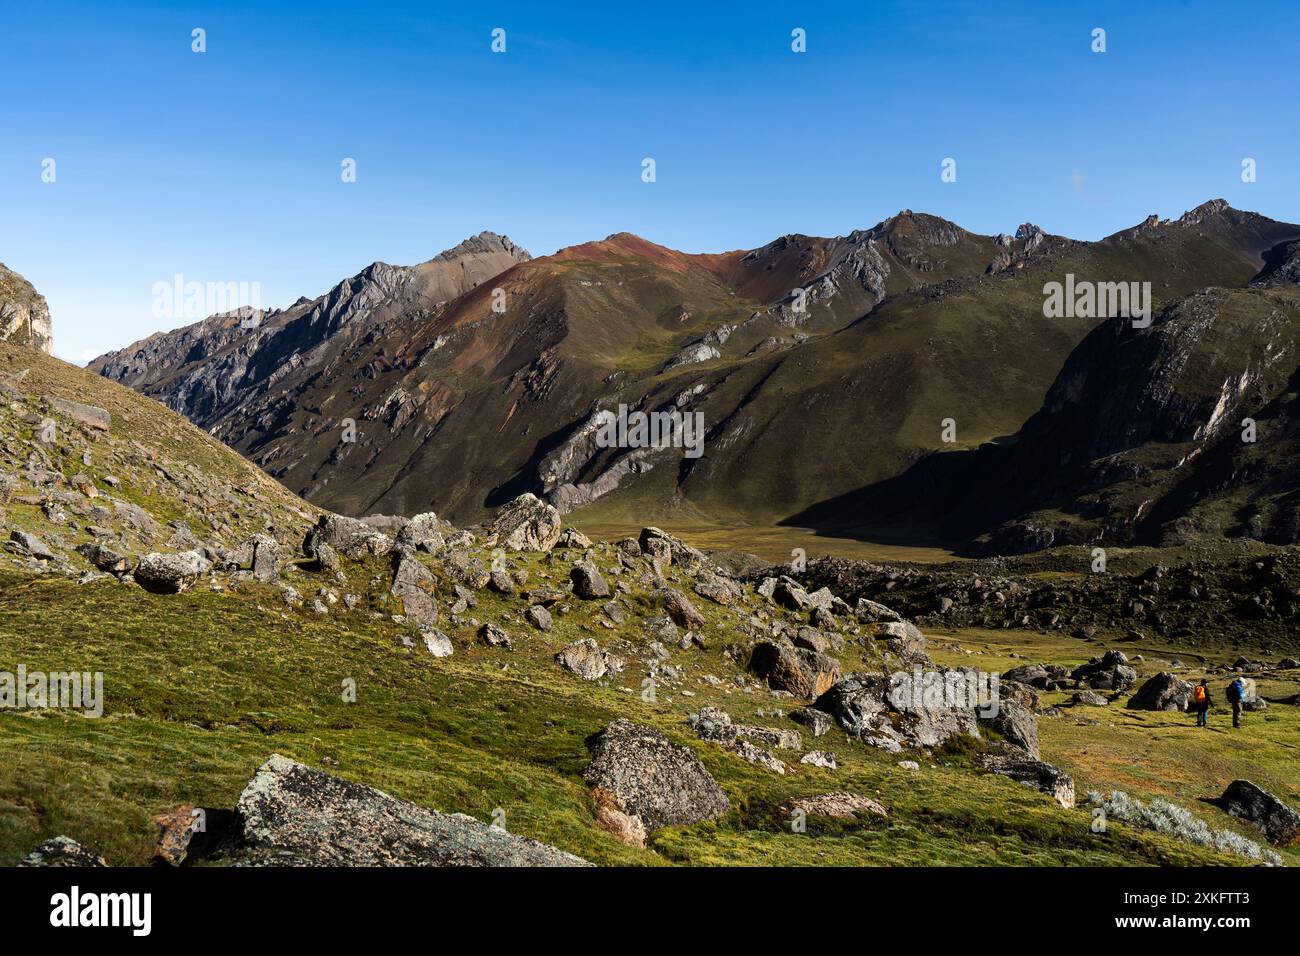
1236, 691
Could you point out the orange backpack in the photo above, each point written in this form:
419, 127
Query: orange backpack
1198, 694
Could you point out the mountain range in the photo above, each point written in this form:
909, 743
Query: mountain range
826, 370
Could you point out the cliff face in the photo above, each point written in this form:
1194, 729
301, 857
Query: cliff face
24, 316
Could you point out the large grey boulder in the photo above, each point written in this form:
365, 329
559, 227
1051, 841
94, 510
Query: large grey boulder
1164, 691
92, 416
170, 573
414, 585
642, 781
294, 815
1249, 801
265, 557
668, 550
527, 524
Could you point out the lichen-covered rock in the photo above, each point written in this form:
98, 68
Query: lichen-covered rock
838, 804
294, 815
62, 851
527, 524
883, 713
645, 775
583, 658
170, 573
679, 607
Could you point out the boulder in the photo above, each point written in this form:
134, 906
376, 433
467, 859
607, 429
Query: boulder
717, 589
92, 416
637, 772
1248, 801
1017, 725
104, 558
436, 642
869, 612
1089, 698
422, 533
32, 545
669, 550
583, 658
266, 557
573, 538
803, 672
539, 617
1164, 691
883, 712
588, 583
351, 537
904, 639
527, 524
817, 721
838, 804
414, 585
1034, 773
679, 607
62, 851
494, 636
170, 573
294, 815
1108, 672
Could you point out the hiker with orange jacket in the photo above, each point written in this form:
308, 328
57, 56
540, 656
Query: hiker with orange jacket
1201, 703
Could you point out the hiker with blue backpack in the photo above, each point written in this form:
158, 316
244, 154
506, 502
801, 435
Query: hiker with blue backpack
1236, 697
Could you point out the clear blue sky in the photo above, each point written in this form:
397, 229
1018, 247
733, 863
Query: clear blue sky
225, 166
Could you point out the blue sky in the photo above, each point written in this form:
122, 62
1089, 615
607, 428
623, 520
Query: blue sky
225, 166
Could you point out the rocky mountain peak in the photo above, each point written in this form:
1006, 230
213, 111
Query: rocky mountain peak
485, 243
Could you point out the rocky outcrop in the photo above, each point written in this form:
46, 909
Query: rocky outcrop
527, 524
24, 314
296, 816
883, 712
